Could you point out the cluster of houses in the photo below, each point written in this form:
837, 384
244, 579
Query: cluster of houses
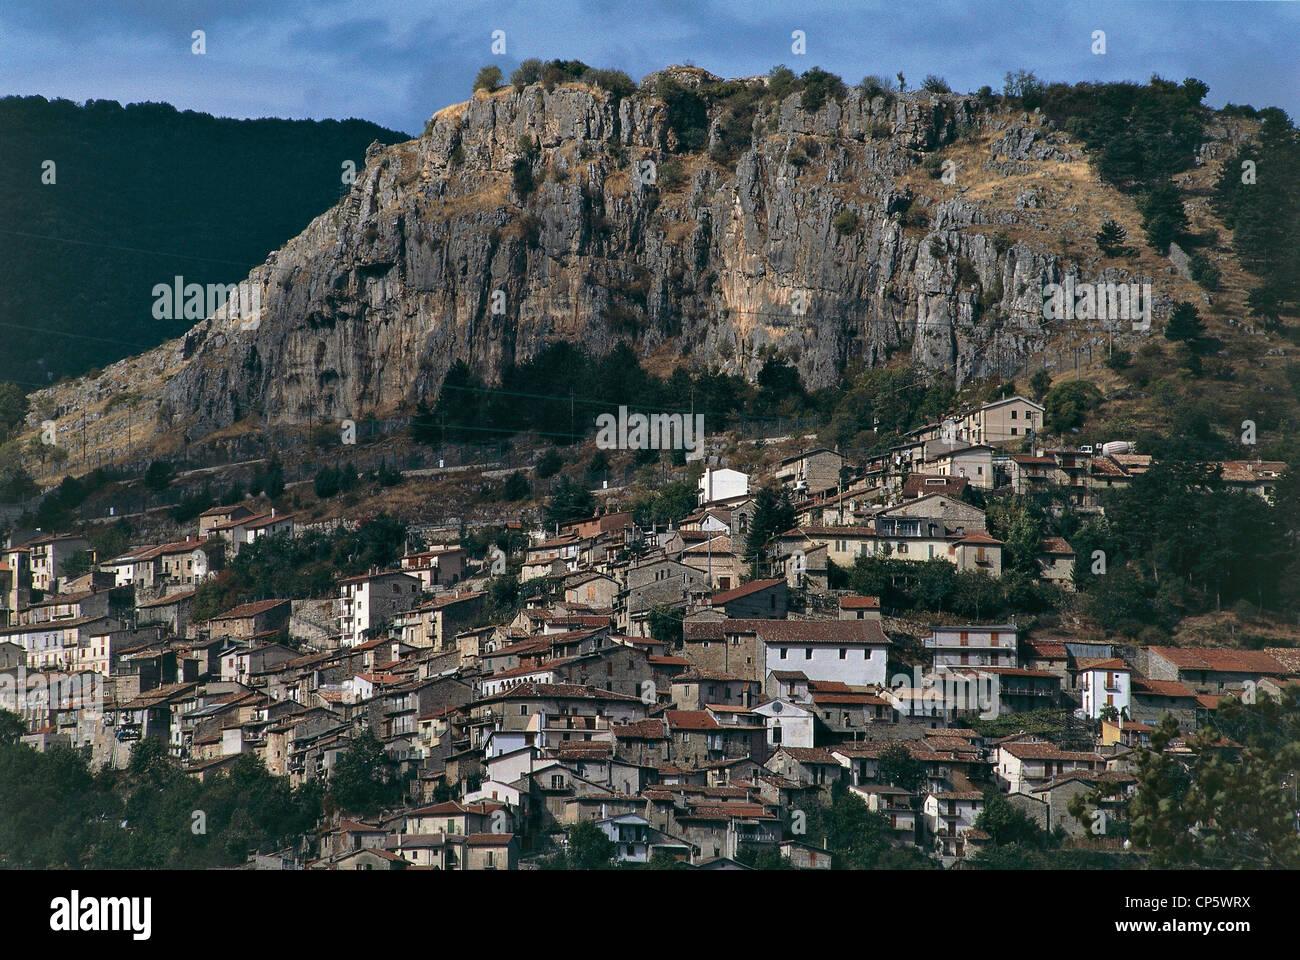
693, 742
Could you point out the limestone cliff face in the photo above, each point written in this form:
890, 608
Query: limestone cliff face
436, 255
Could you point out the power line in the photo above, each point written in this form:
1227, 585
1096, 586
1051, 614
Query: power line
111, 246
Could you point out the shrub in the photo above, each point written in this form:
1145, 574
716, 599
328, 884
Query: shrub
845, 222
1025, 87
934, 84
672, 176
530, 71
781, 82
489, 79
1204, 271
818, 86
875, 85
550, 464
615, 81
688, 115
1001, 242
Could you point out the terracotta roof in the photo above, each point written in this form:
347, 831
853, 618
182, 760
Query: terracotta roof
1101, 663
166, 601
1048, 751
1046, 649
222, 511
919, 484
691, 720
704, 673
562, 691
1055, 546
863, 699
791, 631
859, 603
1220, 660
652, 729
744, 590
809, 755
249, 609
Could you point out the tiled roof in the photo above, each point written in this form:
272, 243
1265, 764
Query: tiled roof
1220, 660
250, 609
1055, 546
691, 720
744, 590
791, 631
810, 755
1101, 663
1048, 751
652, 729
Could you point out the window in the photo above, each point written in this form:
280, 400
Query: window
843, 653
807, 654
1013, 416
784, 651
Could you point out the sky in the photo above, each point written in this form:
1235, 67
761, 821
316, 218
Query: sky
397, 62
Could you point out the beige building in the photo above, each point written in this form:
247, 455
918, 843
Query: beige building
1003, 421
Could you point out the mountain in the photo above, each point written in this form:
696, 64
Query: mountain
708, 223
104, 202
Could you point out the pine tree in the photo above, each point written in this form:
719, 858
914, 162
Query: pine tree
1184, 324
1110, 238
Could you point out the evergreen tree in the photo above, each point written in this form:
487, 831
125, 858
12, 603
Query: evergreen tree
1110, 238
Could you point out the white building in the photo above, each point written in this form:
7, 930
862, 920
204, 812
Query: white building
850, 651
722, 484
1105, 683
372, 600
973, 645
788, 724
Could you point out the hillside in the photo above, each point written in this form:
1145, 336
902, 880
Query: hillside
137, 195
821, 230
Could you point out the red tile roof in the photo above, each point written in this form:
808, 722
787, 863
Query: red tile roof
1220, 660
249, 609
744, 590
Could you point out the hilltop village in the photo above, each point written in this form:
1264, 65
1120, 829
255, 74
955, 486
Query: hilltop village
665, 694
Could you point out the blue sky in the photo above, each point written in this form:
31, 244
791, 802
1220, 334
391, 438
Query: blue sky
396, 62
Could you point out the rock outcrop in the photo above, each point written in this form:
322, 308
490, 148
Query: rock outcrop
529, 215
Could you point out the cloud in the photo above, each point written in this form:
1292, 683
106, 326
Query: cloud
397, 62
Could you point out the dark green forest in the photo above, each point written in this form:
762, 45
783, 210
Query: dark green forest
143, 193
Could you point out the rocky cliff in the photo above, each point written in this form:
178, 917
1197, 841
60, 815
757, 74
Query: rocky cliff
533, 214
